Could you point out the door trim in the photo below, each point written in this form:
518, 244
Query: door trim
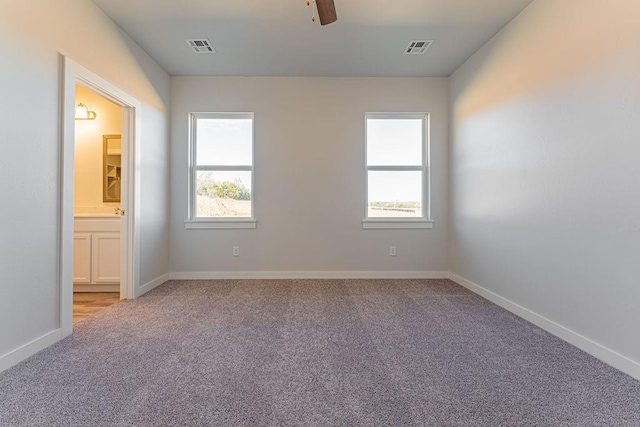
73, 73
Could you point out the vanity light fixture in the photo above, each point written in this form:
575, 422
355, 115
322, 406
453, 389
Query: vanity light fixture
83, 113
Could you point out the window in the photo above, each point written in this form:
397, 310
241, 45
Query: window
221, 171
397, 168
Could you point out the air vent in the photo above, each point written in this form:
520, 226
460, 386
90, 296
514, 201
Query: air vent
418, 47
200, 45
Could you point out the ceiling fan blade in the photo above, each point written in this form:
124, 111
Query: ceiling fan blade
326, 11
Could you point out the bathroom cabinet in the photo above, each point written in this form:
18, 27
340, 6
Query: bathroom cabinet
96, 251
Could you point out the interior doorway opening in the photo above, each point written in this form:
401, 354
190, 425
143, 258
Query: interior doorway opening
97, 206
99, 194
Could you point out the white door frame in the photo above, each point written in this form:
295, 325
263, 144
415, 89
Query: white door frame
73, 73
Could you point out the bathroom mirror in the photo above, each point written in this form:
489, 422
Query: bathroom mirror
112, 166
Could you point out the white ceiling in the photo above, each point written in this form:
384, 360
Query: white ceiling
277, 37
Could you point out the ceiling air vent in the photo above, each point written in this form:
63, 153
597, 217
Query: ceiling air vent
200, 45
418, 47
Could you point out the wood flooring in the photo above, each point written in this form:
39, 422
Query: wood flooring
87, 303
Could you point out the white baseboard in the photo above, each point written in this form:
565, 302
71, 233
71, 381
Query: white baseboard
27, 350
230, 275
591, 347
151, 285
585, 344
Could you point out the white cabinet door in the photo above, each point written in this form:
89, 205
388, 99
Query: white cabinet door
106, 258
82, 258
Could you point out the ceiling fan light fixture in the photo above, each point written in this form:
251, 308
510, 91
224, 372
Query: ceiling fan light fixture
326, 11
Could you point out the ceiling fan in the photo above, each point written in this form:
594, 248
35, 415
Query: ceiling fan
326, 11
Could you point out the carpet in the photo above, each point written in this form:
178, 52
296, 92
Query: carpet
313, 353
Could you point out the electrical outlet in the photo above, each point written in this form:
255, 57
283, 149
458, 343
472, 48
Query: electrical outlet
236, 251
392, 251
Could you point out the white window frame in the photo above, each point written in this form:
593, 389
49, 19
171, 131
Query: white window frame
197, 223
423, 222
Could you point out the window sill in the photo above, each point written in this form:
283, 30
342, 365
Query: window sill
397, 224
220, 224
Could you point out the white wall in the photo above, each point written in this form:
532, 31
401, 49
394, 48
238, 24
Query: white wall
309, 183
545, 179
32, 34
89, 147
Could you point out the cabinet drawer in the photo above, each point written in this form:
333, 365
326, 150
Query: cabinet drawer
96, 225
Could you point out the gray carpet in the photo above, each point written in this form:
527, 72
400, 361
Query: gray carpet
314, 353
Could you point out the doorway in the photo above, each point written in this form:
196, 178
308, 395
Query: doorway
97, 203
110, 261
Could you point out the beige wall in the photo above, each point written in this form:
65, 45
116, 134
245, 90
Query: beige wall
309, 175
545, 206
88, 181
33, 34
